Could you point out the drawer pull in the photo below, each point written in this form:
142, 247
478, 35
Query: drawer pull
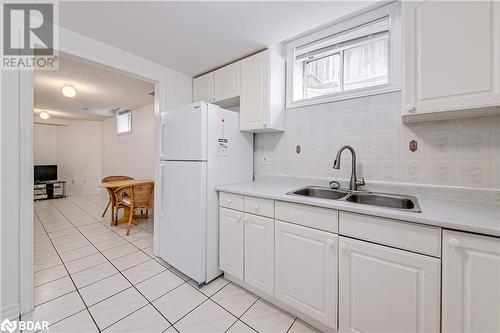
343, 246
410, 108
454, 242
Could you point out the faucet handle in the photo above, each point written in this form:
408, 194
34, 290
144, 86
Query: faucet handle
361, 182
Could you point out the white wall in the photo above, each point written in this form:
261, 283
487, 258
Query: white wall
76, 149
79, 156
130, 154
9, 194
463, 152
44, 144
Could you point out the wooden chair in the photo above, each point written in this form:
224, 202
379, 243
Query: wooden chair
111, 196
134, 197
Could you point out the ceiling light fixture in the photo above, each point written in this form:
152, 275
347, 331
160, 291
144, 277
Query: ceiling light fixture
44, 115
69, 91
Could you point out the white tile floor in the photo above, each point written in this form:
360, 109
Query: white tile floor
90, 277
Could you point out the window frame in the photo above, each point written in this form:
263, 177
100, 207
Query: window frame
394, 70
129, 113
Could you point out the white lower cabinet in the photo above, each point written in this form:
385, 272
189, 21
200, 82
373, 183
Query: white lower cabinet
471, 283
382, 289
306, 271
231, 242
259, 252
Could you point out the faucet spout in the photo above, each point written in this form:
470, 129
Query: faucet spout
354, 182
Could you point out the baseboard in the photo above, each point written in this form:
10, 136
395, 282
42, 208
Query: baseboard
10, 312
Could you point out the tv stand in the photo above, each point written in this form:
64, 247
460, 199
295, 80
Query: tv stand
52, 189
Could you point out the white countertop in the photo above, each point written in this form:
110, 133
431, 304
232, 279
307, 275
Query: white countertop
458, 215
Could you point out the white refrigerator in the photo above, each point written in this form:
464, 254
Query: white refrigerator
201, 147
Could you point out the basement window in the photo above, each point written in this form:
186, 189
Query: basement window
123, 122
356, 57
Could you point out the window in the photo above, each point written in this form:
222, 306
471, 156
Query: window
123, 121
356, 57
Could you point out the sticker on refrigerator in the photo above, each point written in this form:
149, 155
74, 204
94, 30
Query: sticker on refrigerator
222, 147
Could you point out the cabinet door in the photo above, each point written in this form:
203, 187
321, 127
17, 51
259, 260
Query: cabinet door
452, 57
227, 82
203, 88
254, 91
471, 283
231, 242
306, 271
259, 252
382, 289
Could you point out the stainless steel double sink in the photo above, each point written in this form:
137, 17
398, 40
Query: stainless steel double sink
395, 201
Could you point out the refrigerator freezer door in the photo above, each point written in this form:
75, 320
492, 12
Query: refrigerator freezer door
183, 224
184, 136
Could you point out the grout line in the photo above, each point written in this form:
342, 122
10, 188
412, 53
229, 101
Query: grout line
120, 272
132, 285
71, 278
293, 322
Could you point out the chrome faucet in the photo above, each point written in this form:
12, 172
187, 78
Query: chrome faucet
354, 182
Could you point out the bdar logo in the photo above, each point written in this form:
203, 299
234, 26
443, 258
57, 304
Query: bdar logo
8, 326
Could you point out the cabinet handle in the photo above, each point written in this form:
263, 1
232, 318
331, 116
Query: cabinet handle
329, 242
256, 207
410, 107
343, 246
454, 242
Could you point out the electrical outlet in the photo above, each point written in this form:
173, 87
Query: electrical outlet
266, 159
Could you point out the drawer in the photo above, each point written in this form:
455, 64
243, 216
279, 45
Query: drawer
309, 216
230, 200
400, 234
258, 206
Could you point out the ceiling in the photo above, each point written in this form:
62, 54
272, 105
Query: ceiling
99, 90
196, 37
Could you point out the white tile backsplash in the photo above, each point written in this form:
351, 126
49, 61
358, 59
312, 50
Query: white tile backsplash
463, 152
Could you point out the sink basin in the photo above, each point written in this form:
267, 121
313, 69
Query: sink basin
386, 200
320, 192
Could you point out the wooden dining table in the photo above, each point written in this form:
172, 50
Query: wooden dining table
112, 186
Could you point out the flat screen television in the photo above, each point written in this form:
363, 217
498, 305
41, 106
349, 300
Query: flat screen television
45, 173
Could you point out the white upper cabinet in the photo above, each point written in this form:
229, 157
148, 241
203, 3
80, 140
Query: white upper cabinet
306, 271
203, 88
471, 283
382, 289
256, 83
262, 101
452, 59
227, 82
